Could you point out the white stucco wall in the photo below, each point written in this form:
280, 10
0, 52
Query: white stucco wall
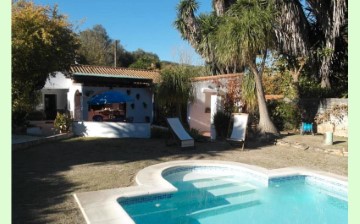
111, 129
58, 85
197, 117
71, 97
204, 90
58, 82
61, 98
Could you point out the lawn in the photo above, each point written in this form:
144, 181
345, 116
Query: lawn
45, 176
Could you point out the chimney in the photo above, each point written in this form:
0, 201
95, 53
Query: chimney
115, 49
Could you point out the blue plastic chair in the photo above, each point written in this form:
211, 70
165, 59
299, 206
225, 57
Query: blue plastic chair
306, 127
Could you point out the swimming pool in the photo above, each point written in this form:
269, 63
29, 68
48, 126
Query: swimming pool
225, 192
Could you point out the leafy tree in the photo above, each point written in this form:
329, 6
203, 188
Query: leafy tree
124, 58
97, 48
175, 89
42, 43
232, 96
145, 60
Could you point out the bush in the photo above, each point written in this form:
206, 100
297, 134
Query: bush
286, 116
62, 122
310, 88
19, 119
36, 116
221, 122
195, 134
157, 132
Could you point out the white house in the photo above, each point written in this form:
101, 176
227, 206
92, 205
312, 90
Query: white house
79, 93
209, 97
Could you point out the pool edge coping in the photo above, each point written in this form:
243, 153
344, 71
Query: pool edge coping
101, 207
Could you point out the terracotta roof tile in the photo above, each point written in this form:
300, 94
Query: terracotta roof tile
215, 77
274, 97
92, 70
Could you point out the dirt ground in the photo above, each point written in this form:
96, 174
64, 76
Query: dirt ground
45, 177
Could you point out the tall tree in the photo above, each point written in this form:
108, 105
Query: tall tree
296, 20
198, 31
246, 32
331, 16
145, 60
97, 48
42, 43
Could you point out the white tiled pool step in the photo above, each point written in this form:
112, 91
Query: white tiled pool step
213, 184
155, 212
330, 193
213, 207
233, 190
210, 178
235, 203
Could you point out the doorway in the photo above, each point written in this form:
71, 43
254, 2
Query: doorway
50, 106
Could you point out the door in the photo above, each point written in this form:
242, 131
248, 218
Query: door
50, 106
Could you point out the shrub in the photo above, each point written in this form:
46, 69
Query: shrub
157, 132
36, 116
310, 88
221, 122
286, 116
19, 119
195, 134
62, 122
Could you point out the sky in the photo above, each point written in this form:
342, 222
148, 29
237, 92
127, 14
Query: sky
145, 24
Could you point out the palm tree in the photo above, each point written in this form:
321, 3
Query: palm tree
247, 31
331, 16
199, 30
295, 20
187, 23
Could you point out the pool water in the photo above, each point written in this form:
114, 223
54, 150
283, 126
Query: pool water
237, 199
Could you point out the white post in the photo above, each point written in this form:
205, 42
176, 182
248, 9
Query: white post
328, 138
213, 101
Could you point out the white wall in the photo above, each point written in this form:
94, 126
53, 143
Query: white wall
71, 97
58, 85
111, 129
61, 98
204, 90
65, 90
197, 117
58, 82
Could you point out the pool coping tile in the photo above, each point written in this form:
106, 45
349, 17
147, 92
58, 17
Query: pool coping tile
102, 207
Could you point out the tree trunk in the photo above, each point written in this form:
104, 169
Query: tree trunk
221, 6
325, 72
265, 123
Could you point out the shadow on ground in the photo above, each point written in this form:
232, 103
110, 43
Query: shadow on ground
40, 188
45, 176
